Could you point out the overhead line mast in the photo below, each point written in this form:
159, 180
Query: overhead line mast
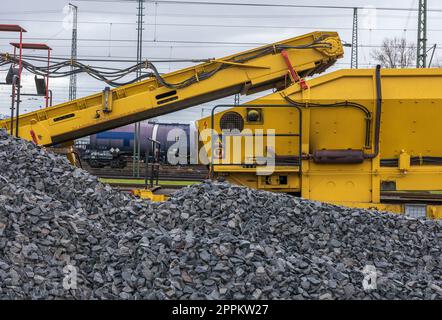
137, 127
422, 35
73, 77
354, 41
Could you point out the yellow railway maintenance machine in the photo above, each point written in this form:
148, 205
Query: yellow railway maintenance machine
246, 72
359, 138
363, 138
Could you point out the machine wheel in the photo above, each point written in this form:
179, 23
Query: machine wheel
118, 163
94, 164
114, 164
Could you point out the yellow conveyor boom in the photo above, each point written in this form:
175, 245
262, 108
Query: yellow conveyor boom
247, 72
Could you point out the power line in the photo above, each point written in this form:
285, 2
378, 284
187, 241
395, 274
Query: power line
206, 15
30, 12
227, 43
241, 26
158, 46
152, 41
265, 5
134, 40
121, 59
193, 15
409, 14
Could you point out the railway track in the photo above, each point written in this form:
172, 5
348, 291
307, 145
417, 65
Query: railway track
166, 172
125, 184
167, 190
161, 177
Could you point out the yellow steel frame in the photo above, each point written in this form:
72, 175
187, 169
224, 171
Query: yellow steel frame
411, 111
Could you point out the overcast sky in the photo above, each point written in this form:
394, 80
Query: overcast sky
187, 31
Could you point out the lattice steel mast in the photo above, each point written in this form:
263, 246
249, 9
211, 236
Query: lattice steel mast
137, 128
73, 77
422, 35
354, 40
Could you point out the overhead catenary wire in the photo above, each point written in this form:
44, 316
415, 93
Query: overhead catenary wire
263, 5
227, 43
199, 25
109, 59
237, 4
248, 26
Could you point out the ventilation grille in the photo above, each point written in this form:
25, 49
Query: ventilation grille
231, 121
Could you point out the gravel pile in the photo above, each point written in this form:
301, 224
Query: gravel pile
64, 235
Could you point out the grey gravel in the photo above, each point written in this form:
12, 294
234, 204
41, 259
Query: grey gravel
209, 241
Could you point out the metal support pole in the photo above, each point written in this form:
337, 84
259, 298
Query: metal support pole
73, 77
237, 99
17, 108
47, 79
433, 48
146, 160
422, 35
137, 127
20, 65
14, 80
354, 41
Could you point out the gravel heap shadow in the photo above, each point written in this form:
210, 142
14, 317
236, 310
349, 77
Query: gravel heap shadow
59, 224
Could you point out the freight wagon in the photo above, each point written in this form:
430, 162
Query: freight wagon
115, 147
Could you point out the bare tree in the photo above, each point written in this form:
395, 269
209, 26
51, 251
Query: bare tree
395, 53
